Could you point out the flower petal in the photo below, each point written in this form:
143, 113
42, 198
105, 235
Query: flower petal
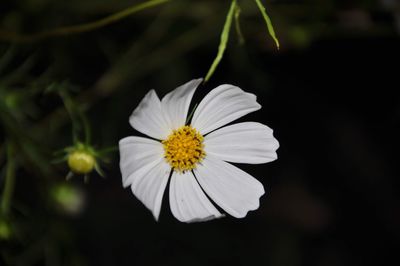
248, 142
187, 201
175, 104
222, 105
148, 117
137, 156
232, 189
149, 188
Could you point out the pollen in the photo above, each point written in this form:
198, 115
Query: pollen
184, 148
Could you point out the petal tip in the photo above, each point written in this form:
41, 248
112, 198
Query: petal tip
156, 217
199, 80
122, 141
125, 184
202, 219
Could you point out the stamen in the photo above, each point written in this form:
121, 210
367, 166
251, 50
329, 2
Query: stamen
184, 148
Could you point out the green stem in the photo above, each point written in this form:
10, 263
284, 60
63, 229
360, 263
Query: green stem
69, 106
223, 41
9, 182
86, 126
77, 116
237, 25
191, 114
16, 37
267, 20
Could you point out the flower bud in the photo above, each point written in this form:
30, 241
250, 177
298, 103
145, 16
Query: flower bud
81, 162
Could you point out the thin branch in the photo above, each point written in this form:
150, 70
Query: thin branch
21, 38
9, 182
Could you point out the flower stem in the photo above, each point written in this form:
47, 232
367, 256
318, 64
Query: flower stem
78, 118
267, 20
191, 114
16, 37
223, 42
237, 25
86, 127
70, 107
9, 182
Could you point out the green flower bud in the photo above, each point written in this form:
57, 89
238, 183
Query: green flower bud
81, 162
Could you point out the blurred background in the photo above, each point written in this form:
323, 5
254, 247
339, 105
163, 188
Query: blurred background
329, 93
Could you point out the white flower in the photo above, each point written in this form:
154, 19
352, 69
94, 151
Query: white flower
197, 154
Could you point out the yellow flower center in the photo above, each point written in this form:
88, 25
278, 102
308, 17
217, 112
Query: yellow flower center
184, 148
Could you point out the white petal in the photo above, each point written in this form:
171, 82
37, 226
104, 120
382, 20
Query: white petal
248, 142
187, 201
148, 117
222, 105
137, 156
149, 188
175, 104
232, 189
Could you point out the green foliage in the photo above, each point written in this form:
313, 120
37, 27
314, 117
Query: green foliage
234, 13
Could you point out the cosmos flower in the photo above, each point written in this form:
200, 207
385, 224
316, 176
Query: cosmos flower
194, 155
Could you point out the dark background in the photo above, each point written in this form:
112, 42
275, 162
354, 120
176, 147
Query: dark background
329, 93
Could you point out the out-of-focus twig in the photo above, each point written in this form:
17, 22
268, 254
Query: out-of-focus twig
138, 68
9, 182
21, 38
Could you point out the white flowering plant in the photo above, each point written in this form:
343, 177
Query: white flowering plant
196, 153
